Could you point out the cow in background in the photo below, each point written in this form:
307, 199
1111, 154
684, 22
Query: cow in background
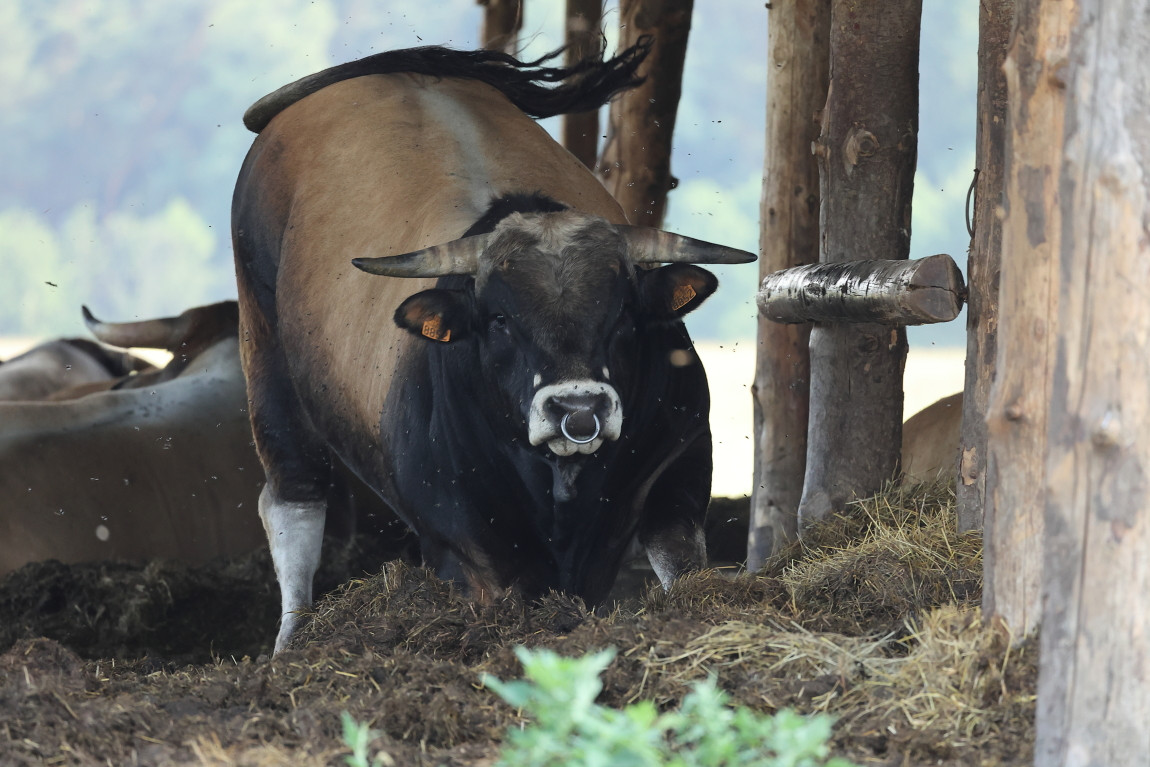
54, 366
154, 464
930, 440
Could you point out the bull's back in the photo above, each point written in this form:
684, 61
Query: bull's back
376, 166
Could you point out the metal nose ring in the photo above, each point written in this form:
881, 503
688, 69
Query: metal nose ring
567, 434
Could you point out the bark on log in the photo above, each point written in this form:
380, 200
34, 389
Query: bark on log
1028, 312
889, 292
996, 18
584, 39
502, 20
866, 160
798, 50
1094, 677
636, 161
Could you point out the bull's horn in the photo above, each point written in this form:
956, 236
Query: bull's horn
456, 257
165, 333
654, 246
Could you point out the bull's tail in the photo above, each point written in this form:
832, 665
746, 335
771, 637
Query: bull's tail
537, 90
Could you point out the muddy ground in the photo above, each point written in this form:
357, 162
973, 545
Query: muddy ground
875, 621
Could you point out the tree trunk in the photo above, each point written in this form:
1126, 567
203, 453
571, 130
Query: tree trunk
636, 160
982, 268
502, 20
798, 51
866, 157
1094, 678
580, 131
890, 292
1028, 311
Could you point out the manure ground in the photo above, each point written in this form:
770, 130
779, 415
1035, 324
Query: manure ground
874, 619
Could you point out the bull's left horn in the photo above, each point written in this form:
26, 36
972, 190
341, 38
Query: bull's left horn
654, 246
456, 257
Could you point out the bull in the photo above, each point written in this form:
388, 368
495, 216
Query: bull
436, 294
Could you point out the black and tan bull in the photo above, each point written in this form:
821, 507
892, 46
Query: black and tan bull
436, 293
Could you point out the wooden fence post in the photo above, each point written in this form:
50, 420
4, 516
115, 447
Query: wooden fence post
995, 20
502, 20
866, 157
583, 37
798, 52
1094, 678
635, 163
1028, 312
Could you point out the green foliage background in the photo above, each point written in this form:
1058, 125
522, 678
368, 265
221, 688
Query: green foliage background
122, 137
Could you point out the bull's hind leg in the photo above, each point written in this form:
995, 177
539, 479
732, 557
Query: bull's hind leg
671, 529
295, 535
293, 503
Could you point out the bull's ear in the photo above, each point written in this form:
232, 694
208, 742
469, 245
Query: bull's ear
671, 291
436, 314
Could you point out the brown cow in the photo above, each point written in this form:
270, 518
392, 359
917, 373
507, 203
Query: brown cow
930, 440
54, 366
161, 467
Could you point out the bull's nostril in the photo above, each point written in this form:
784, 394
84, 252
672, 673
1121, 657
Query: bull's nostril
580, 426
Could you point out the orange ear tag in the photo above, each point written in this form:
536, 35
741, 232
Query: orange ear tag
431, 330
681, 297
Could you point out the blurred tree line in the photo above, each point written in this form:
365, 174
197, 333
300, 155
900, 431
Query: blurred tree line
122, 140
123, 136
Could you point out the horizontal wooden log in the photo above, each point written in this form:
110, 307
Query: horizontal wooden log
889, 292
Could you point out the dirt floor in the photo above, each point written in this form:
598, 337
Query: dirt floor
875, 620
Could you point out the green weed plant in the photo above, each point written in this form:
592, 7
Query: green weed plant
569, 729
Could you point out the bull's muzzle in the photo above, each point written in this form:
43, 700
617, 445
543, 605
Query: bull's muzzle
575, 417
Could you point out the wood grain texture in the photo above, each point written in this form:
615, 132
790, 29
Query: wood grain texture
1094, 678
1028, 317
866, 151
902, 292
996, 18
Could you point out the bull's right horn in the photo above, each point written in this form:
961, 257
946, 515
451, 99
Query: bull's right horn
655, 246
456, 257
165, 333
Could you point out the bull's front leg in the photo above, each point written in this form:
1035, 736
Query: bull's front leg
295, 536
672, 527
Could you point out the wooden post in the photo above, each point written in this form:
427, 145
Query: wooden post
580, 131
995, 20
1028, 312
1094, 678
636, 161
502, 20
866, 168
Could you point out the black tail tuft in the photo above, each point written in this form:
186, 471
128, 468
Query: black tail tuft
538, 90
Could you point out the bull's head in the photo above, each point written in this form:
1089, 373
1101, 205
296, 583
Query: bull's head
555, 305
